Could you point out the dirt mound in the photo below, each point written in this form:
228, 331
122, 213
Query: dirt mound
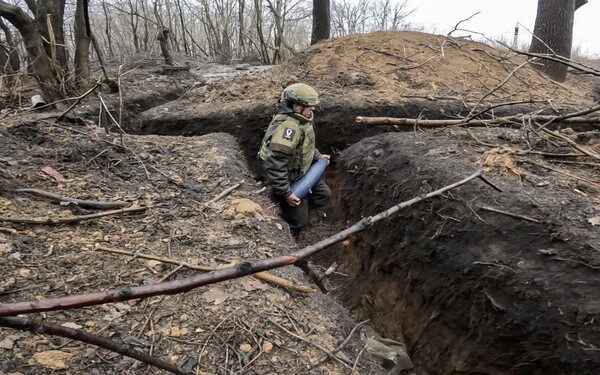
392, 67
242, 325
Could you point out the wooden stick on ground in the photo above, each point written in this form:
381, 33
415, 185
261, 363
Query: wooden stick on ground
489, 122
339, 347
74, 219
81, 203
563, 173
328, 353
571, 143
264, 276
38, 326
79, 99
527, 218
225, 192
239, 270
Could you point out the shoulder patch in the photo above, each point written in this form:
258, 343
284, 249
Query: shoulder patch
288, 133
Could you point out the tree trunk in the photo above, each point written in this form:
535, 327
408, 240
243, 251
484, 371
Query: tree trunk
32, 39
111, 53
553, 34
49, 19
183, 29
12, 63
82, 45
321, 21
242, 30
163, 36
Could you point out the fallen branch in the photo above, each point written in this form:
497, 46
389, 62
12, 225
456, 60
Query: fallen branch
557, 58
527, 218
596, 183
79, 99
79, 202
512, 73
571, 143
240, 270
264, 276
339, 347
8, 230
328, 353
312, 274
494, 121
224, 193
74, 219
39, 326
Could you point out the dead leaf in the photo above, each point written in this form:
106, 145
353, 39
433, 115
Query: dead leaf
215, 295
595, 221
53, 359
548, 251
251, 284
53, 173
8, 342
71, 325
246, 348
267, 347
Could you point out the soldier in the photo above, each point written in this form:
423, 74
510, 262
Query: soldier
288, 150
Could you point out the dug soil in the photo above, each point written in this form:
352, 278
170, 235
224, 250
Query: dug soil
495, 277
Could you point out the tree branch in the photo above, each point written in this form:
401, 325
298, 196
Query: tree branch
38, 326
240, 270
78, 202
73, 219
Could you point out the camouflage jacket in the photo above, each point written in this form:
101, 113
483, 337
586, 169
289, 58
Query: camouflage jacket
287, 150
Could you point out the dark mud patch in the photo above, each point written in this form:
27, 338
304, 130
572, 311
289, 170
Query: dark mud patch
471, 291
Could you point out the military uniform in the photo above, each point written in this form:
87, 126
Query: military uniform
287, 151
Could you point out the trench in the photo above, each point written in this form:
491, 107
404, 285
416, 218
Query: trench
467, 292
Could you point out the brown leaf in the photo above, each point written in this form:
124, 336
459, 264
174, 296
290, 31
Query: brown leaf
215, 295
53, 359
53, 173
249, 284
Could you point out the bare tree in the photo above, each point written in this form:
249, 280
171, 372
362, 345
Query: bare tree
40, 62
82, 44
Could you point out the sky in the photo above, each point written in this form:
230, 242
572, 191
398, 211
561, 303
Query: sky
499, 17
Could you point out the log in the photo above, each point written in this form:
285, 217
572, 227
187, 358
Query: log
495, 121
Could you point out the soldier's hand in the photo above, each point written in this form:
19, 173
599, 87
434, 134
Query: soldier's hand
293, 200
325, 156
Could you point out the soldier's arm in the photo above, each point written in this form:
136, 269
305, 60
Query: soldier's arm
275, 168
317, 156
283, 143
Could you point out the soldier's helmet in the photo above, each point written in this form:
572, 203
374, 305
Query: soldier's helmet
300, 93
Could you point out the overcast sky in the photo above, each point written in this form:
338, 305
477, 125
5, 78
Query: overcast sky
499, 17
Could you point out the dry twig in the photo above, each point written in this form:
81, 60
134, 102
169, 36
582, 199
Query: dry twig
38, 326
74, 219
264, 276
340, 346
78, 202
527, 218
328, 353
